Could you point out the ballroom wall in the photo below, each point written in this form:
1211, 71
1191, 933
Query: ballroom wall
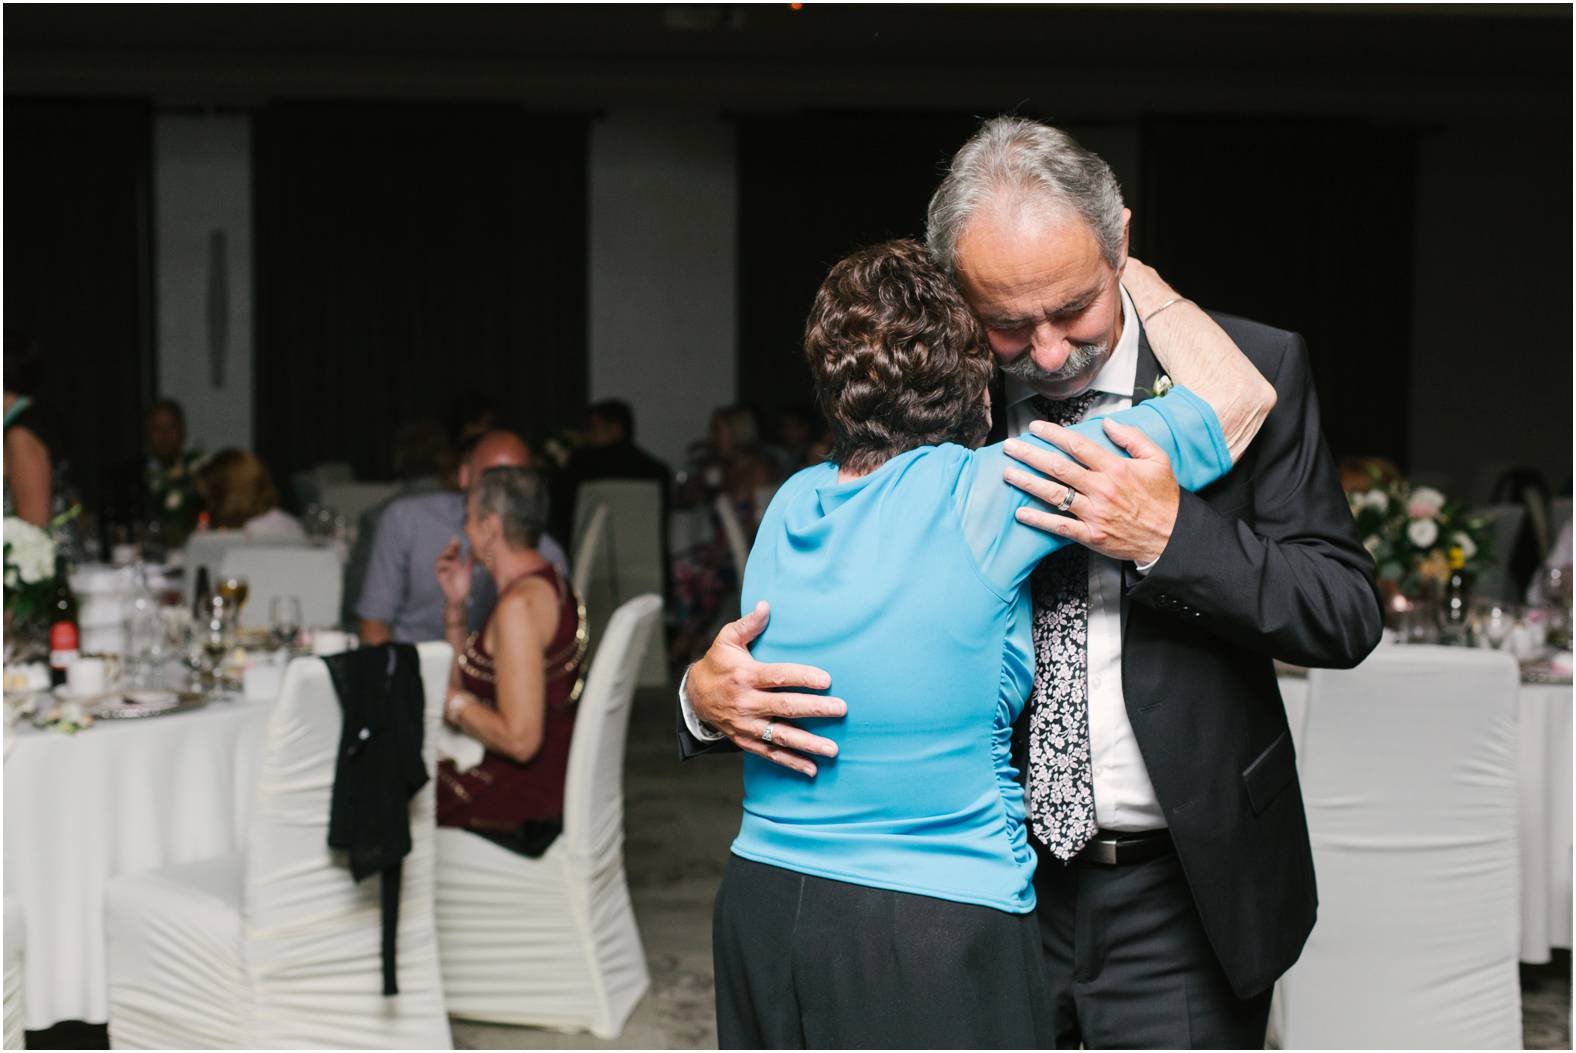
1485, 93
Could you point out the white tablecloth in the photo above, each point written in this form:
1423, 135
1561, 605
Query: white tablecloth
1544, 719
121, 797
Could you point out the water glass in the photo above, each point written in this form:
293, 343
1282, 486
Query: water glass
284, 619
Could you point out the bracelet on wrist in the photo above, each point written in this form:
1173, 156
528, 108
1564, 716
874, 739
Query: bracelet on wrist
1169, 303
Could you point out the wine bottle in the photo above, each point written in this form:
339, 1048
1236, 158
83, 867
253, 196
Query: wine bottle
201, 594
64, 635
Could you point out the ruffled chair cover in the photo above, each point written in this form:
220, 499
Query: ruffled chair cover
15, 945
553, 941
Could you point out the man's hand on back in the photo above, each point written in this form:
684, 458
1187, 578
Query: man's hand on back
739, 696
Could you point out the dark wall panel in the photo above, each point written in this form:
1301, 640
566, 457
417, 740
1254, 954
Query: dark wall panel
78, 198
408, 253
1302, 224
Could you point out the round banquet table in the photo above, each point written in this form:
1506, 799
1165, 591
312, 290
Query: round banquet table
121, 797
1544, 729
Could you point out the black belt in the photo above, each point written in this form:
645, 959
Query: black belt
1115, 848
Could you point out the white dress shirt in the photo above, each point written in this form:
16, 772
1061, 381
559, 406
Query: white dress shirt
1124, 798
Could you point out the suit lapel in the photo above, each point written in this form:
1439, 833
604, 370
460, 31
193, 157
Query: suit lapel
998, 408
1148, 369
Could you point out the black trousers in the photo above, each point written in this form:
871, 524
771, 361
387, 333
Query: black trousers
807, 963
1129, 963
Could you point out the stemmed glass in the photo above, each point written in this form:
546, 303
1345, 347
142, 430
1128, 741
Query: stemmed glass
234, 591
284, 619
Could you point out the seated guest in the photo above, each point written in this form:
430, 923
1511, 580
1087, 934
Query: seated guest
609, 453
515, 682
399, 600
423, 464
29, 467
159, 485
239, 494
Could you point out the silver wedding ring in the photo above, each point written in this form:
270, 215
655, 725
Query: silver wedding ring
1067, 500
766, 735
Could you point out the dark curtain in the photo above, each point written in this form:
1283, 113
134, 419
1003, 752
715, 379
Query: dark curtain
1301, 224
78, 244
408, 253
812, 188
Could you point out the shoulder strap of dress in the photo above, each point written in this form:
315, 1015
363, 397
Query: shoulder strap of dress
16, 409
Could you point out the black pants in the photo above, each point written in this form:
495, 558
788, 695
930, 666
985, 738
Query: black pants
803, 962
1130, 966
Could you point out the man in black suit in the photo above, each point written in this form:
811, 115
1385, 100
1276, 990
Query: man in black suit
1175, 877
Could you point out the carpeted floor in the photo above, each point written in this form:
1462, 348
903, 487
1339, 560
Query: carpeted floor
680, 819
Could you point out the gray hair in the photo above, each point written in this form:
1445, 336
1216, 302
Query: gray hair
1013, 159
518, 497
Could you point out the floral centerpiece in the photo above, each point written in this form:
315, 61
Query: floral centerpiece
1412, 533
173, 497
29, 572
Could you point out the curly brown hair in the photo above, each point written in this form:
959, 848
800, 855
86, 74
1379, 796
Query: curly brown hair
898, 358
236, 488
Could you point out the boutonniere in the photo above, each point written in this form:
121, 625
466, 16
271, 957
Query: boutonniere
1163, 384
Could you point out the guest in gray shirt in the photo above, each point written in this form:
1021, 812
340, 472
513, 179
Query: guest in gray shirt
400, 599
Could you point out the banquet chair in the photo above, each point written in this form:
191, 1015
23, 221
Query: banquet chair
634, 559
553, 941
350, 499
1504, 523
312, 574
208, 549
1408, 774
15, 947
589, 550
276, 946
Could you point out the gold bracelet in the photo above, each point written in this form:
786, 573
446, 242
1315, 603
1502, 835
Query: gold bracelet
1169, 303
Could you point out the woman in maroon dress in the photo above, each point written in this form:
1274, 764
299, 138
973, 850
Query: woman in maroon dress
515, 681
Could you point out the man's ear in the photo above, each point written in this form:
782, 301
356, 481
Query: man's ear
1127, 219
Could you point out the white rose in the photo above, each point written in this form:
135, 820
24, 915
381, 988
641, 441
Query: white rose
1424, 502
32, 551
1422, 532
1467, 546
172, 500
1372, 543
1378, 500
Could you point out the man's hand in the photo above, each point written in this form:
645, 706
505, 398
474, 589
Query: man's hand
734, 693
1124, 508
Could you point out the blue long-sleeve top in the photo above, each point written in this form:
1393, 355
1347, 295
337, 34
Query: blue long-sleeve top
910, 587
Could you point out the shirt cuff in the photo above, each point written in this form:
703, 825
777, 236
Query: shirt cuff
1145, 568
703, 732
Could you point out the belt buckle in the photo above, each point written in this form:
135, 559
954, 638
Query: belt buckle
1103, 851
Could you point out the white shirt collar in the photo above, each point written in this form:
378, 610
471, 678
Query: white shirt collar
1118, 376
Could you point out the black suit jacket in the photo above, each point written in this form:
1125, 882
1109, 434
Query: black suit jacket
1265, 563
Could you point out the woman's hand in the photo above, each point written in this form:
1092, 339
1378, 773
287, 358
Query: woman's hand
1144, 284
454, 572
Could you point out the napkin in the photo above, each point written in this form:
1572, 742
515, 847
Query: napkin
464, 751
1561, 662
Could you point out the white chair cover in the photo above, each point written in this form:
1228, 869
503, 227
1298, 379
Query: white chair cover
15, 945
276, 947
312, 574
1504, 525
588, 551
553, 941
351, 499
633, 559
209, 548
1408, 772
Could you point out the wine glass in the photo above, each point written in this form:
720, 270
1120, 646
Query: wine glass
284, 619
1494, 624
234, 591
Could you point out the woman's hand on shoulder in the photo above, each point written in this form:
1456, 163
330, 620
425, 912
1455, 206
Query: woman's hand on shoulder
1144, 284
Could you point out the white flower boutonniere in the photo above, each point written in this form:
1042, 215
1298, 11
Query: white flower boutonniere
1163, 385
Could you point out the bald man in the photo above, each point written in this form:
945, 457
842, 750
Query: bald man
400, 600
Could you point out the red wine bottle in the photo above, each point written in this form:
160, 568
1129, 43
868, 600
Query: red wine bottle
63, 631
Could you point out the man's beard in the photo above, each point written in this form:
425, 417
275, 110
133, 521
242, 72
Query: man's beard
1081, 363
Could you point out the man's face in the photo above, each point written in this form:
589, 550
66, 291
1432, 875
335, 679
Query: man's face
1051, 304
165, 435
601, 432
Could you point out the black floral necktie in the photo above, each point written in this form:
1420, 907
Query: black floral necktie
1060, 784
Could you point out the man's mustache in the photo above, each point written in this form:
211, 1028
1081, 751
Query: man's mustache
1083, 358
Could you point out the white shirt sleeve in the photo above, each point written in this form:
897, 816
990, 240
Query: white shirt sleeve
691, 721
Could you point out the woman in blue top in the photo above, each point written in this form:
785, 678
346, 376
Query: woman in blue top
887, 902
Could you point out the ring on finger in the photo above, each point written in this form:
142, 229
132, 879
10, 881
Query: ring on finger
768, 731
1067, 500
